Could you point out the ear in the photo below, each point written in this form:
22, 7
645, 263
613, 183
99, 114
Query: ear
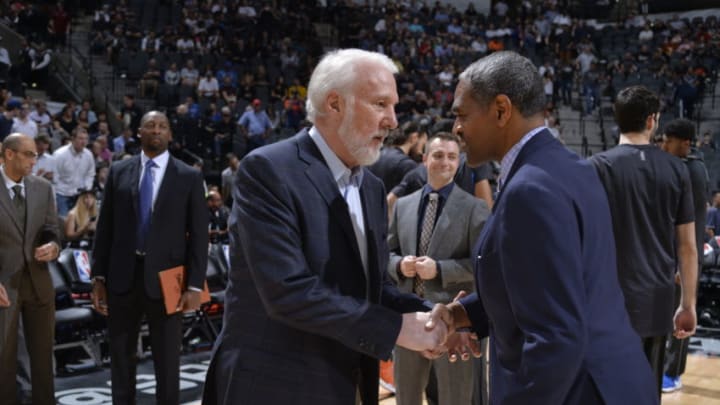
503, 108
650, 122
333, 102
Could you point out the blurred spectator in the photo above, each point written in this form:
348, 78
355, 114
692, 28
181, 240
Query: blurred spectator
101, 152
45, 163
228, 91
66, 119
7, 118
130, 114
75, 170
81, 221
172, 76
95, 126
101, 175
103, 129
150, 43
5, 63
87, 107
255, 125
219, 214
40, 66
227, 177
189, 75
150, 80
208, 87
23, 124
224, 132
125, 143
60, 25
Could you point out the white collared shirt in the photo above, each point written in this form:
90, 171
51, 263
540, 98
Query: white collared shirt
73, 170
349, 190
161, 162
9, 184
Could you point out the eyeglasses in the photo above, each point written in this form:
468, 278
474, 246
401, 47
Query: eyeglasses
27, 153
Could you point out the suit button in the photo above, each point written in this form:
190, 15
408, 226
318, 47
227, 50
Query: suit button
362, 343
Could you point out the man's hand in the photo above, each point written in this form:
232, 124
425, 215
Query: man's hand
47, 252
189, 301
414, 335
407, 266
453, 315
685, 322
4, 299
461, 345
426, 268
99, 297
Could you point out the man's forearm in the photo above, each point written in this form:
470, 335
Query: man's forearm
688, 274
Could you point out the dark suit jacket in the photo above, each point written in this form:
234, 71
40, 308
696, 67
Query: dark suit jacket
451, 245
178, 232
549, 293
302, 323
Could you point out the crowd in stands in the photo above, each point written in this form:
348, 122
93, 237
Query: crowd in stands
231, 74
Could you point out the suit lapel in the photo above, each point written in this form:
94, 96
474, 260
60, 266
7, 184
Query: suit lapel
409, 221
32, 204
8, 206
320, 176
167, 182
538, 141
134, 178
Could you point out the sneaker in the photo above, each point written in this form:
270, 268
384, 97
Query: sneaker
671, 384
386, 376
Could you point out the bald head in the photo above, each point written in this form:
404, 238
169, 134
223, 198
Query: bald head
20, 154
15, 142
154, 133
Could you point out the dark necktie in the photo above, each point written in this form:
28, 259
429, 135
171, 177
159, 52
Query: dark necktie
19, 202
146, 194
425, 235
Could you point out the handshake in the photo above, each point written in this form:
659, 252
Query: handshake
435, 333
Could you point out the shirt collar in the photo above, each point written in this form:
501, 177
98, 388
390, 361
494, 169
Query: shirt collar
340, 172
160, 160
509, 159
9, 183
444, 191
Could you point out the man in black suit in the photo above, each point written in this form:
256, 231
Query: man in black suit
153, 217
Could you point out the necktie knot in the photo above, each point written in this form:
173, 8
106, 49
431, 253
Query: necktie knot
150, 164
17, 189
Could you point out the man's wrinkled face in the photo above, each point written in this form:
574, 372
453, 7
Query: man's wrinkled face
369, 115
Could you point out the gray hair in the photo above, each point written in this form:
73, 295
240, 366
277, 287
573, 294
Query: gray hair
337, 70
510, 74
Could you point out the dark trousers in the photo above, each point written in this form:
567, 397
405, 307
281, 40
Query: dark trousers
654, 348
125, 313
677, 350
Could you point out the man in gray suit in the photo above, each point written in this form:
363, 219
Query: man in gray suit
431, 237
29, 239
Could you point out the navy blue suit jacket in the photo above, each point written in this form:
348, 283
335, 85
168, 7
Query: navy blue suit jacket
548, 291
178, 227
302, 323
